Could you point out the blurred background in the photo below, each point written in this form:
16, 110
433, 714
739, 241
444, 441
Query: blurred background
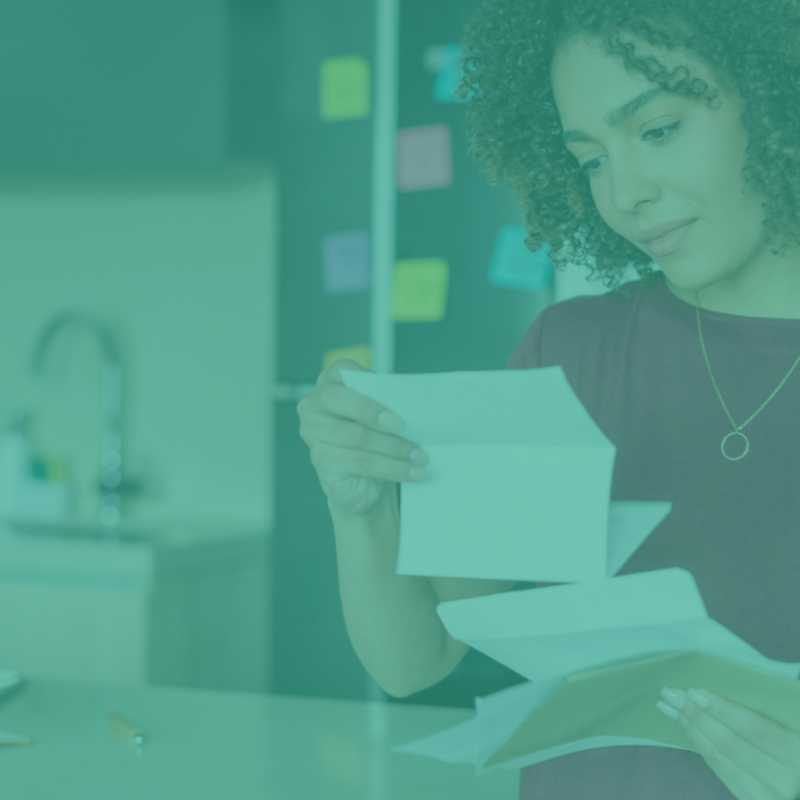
203, 203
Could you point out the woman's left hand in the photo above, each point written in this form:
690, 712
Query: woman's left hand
756, 758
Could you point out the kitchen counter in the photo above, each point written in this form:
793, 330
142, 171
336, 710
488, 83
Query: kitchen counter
211, 745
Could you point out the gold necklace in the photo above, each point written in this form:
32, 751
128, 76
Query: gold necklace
737, 431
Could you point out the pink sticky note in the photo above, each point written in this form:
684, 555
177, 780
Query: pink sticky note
424, 158
345, 262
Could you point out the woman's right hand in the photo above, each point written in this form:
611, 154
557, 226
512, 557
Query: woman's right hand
357, 456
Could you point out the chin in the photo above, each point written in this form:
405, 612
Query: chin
688, 282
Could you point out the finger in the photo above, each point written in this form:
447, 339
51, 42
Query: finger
760, 731
742, 785
376, 414
334, 372
337, 400
346, 462
346, 434
726, 741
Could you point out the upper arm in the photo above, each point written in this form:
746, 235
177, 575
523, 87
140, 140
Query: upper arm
461, 588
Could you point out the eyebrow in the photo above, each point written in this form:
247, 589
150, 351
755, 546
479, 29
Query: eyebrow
617, 116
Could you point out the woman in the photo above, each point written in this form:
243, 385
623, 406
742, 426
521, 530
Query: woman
616, 122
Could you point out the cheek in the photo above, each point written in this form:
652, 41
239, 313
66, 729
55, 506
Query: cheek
711, 162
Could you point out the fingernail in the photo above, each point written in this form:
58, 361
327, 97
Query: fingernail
668, 710
389, 421
673, 698
699, 697
418, 456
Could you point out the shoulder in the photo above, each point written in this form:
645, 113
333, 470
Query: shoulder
580, 325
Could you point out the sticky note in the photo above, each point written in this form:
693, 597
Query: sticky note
442, 61
424, 158
361, 354
344, 91
515, 266
345, 262
444, 88
420, 290
437, 57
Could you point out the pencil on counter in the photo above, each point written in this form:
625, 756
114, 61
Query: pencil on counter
6, 737
136, 735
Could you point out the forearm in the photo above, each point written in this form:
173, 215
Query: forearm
391, 619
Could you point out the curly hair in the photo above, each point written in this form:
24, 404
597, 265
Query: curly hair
750, 47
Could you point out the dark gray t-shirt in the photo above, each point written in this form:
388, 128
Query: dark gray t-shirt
637, 366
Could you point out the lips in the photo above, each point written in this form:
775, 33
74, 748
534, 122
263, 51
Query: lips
671, 242
662, 230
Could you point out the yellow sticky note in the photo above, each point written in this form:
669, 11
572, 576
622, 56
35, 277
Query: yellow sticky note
361, 354
344, 88
420, 289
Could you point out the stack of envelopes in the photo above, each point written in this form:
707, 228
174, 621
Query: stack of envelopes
520, 489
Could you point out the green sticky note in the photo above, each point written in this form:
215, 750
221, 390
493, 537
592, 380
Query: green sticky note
344, 88
420, 290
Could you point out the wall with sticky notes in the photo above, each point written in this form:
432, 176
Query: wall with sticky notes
448, 213
464, 287
325, 116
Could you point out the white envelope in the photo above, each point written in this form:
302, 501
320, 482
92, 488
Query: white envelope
520, 478
549, 633
554, 631
497, 717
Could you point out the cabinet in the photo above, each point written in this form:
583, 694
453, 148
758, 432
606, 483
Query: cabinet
172, 607
151, 85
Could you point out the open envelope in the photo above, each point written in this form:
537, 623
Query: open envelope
615, 706
520, 478
556, 631
599, 653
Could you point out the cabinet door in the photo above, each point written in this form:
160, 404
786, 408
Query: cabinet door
73, 629
98, 85
209, 618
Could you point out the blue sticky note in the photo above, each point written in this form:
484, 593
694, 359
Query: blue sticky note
514, 266
437, 57
441, 60
345, 262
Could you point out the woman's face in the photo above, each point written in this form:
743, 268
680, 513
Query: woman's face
642, 176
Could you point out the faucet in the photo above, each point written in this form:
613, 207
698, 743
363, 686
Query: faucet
110, 483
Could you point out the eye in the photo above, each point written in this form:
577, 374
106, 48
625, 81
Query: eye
669, 132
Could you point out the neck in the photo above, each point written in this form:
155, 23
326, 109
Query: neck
772, 293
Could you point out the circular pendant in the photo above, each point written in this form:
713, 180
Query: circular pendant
746, 443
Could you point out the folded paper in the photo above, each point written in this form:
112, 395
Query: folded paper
520, 478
